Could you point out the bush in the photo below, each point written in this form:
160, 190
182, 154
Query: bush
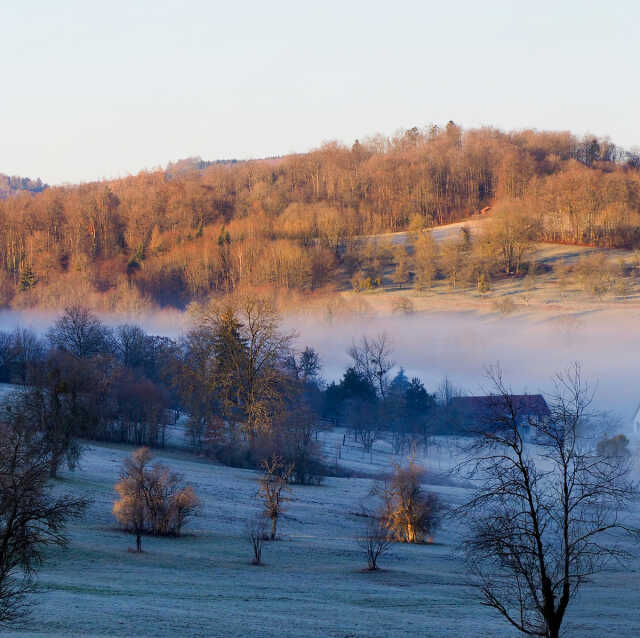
408, 512
614, 447
152, 500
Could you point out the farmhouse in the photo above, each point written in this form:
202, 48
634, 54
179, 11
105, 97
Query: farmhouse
477, 414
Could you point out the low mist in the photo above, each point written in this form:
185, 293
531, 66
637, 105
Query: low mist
529, 348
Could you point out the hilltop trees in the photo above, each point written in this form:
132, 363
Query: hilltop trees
511, 235
171, 237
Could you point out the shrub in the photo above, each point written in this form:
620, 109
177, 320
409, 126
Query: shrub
152, 499
256, 531
614, 447
408, 512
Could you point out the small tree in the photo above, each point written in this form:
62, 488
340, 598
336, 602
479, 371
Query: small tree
409, 513
151, 498
274, 485
372, 359
27, 278
374, 541
130, 510
30, 517
256, 531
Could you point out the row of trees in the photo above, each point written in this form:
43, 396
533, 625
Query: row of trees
246, 392
168, 237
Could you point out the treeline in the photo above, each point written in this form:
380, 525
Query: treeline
170, 237
234, 388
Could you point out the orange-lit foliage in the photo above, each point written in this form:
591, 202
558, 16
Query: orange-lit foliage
168, 237
152, 499
409, 512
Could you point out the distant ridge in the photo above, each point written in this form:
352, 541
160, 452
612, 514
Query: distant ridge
190, 164
10, 185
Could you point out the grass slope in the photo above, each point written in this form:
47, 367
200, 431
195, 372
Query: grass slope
312, 584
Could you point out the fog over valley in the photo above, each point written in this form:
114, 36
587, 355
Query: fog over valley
530, 348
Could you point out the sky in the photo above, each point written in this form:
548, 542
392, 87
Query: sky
94, 90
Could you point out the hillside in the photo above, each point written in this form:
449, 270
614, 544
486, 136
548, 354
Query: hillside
312, 584
166, 238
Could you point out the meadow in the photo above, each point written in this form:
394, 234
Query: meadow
313, 581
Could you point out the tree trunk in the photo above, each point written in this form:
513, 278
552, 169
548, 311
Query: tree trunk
138, 542
274, 522
53, 466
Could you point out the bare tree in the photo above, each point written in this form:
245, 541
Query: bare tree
30, 518
80, 332
130, 508
129, 345
374, 541
274, 485
364, 419
542, 522
372, 359
247, 358
511, 235
256, 531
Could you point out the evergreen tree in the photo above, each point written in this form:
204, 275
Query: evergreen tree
27, 278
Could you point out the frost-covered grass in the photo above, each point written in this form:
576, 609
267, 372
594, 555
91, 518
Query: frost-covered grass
312, 584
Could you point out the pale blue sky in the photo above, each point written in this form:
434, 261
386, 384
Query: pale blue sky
100, 89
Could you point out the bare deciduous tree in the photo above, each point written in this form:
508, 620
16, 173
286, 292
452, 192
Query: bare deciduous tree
511, 235
372, 359
274, 485
256, 531
30, 518
247, 356
542, 522
374, 541
79, 332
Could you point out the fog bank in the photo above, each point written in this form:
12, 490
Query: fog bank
529, 348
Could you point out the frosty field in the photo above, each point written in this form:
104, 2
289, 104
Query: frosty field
312, 583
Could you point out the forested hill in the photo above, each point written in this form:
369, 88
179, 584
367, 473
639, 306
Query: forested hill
11, 185
197, 228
